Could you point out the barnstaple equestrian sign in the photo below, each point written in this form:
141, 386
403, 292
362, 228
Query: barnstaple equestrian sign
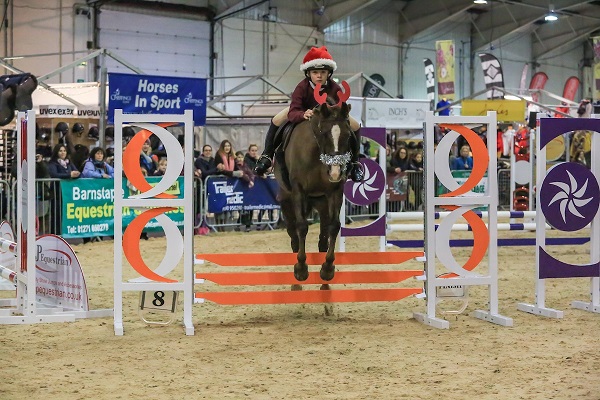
146, 94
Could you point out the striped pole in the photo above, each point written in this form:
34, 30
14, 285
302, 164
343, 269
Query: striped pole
7, 245
8, 274
403, 216
528, 226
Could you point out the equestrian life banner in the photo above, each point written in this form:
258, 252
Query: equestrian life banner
444, 57
88, 207
233, 194
151, 94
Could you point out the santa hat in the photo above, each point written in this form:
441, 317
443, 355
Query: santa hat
318, 58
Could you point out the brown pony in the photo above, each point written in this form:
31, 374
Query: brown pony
316, 156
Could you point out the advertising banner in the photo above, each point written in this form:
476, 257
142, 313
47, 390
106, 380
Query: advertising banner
596, 85
569, 92
395, 113
444, 50
429, 81
396, 187
507, 110
538, 81
149, 94
59, 278
492, 75
232, 194
88, 207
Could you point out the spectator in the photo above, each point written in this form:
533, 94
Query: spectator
388, 160
416, 181
464, 161
225, 158
162, 167
205, 164
441, 104
507, 138
147, 161
248, 177
60, 166
400, 160
585, 109
251, 157
96, 167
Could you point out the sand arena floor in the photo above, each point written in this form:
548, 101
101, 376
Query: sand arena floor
362, 351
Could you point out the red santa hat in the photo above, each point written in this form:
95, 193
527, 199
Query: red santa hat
318, 58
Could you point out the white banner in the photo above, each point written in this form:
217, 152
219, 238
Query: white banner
395, 113
59, 278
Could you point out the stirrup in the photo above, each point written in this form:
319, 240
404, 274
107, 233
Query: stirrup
262, 165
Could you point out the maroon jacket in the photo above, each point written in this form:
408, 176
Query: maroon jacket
303, 98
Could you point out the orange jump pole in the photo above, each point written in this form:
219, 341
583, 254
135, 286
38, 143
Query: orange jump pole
306, 296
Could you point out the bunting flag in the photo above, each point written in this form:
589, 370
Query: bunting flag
538, 81
429, 81
596, 86
444, 57
492, 75
569, 92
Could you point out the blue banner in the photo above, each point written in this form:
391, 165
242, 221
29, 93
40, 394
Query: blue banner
151, 94
233, 194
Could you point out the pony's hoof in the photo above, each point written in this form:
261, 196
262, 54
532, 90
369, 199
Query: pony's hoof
301, 272
296, 288
327, 273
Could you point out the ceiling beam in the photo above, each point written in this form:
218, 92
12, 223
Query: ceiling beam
339, 11
416, 19
551, 44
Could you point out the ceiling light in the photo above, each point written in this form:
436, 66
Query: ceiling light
551, 16
480, 1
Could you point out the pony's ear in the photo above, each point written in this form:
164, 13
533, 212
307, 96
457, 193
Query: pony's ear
324, 110
346, 109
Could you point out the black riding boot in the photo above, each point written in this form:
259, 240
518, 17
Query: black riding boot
355, 168
264, 162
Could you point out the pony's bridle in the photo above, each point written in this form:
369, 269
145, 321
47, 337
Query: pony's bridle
338, 159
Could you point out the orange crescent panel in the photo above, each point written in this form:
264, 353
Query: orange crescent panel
131, 161
481, 159
481, 240
131, 244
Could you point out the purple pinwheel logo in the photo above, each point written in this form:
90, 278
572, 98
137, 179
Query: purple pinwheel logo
370, 189
569, 196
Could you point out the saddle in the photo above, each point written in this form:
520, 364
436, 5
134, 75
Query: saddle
281, 141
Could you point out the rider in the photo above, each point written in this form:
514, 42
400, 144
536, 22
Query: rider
318, 67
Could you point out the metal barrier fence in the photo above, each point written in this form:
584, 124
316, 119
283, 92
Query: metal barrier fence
49, 205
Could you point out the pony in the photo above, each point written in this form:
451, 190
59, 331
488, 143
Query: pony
312, 176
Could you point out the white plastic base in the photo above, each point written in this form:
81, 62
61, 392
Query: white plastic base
118, 329
431, 321
36, 319
543, 311
582, 305
493, 318
189, 329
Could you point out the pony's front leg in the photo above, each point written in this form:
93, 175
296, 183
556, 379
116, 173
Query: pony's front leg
333, 229
301, 268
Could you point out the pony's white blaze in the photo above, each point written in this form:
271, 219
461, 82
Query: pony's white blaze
335, 173
335, 134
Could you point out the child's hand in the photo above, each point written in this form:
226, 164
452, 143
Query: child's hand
308, 114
